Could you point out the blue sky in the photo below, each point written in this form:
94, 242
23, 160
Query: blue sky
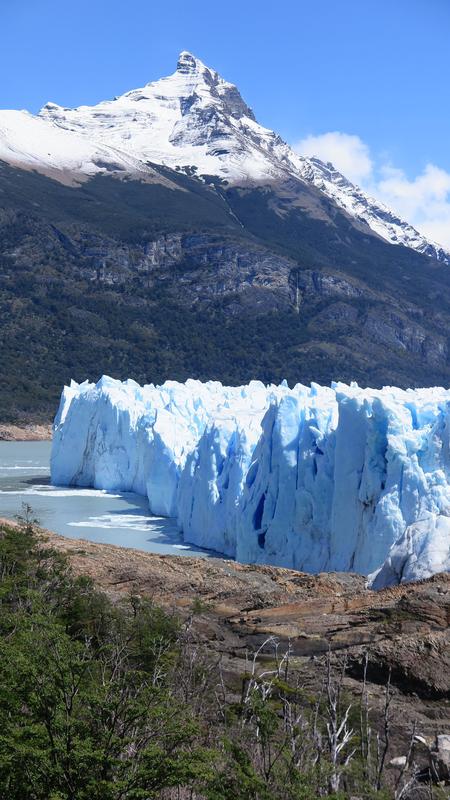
373, 72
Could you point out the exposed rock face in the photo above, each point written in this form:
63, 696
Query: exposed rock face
315, 611
403, 628
27, 432
320, 284
199, 269
391, 329
440, 758
215, 268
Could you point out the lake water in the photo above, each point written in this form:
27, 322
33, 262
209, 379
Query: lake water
92, 514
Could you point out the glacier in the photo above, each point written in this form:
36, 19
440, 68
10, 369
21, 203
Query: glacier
313, 478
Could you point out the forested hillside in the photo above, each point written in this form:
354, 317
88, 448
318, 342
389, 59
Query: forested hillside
179, 278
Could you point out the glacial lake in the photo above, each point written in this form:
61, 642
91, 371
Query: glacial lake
121, 518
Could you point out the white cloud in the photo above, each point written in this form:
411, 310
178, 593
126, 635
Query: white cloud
348, 153
423, 201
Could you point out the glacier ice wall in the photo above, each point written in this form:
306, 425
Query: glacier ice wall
316, 478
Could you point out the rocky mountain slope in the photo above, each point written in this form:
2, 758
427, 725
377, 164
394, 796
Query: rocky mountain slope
167, 234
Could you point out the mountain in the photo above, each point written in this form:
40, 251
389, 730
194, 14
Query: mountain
165, 233
193, 121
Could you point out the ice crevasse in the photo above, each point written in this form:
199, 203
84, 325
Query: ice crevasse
314, 478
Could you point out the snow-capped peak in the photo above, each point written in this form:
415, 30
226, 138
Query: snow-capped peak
188, 63
192, 120
226, 93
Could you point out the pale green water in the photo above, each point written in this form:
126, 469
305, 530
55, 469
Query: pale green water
121, 519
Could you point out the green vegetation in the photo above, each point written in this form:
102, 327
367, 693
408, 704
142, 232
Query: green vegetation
115, 701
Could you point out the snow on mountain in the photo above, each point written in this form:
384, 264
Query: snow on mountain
35, 143
313, 478
375, 214
192, 120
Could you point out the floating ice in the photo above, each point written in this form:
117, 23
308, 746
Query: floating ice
315, 478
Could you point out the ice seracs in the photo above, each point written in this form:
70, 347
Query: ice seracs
315, 478
192, 120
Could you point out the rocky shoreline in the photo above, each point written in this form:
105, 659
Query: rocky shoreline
31, 432
405, 629
233, 610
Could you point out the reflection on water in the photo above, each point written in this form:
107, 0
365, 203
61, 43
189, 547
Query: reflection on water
92, 514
